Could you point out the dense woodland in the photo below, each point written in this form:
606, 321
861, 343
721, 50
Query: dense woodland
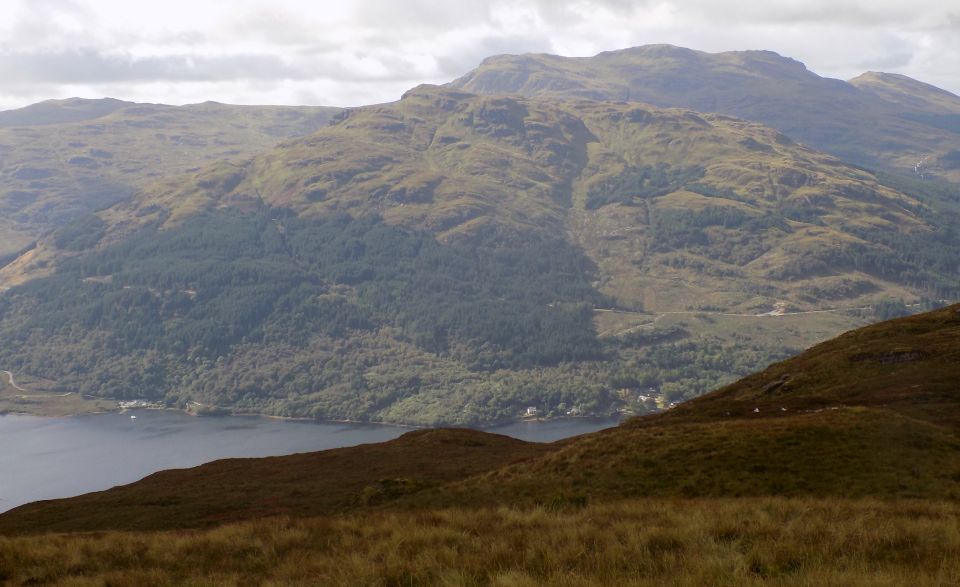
270, 312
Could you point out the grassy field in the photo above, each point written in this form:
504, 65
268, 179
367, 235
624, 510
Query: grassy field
36, 397
641, 542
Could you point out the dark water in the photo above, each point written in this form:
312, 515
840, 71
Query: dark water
45, 458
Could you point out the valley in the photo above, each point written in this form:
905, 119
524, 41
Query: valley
479, 294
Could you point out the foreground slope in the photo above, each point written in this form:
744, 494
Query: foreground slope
753, 542
454, 258
879, 120
838, 428
63, 158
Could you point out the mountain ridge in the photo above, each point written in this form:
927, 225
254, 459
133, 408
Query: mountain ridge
854, 121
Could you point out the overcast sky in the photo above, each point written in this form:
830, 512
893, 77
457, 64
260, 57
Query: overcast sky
352, 52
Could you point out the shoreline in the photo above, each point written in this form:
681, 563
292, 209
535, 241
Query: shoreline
307, 420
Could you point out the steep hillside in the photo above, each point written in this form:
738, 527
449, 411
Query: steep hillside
874, 413
877, 120
454, 258
62, 158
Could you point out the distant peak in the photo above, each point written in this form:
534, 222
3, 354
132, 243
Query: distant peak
61, 111
75, 101
433, 92
897, 80
656, 50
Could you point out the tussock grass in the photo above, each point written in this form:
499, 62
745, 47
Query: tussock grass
643, 542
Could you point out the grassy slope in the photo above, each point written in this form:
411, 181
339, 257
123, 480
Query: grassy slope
869, 441
39, 397
651, 542
857, 121
68, 157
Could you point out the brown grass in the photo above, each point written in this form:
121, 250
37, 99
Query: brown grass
682, 542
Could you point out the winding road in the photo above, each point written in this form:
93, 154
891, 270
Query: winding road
13, 383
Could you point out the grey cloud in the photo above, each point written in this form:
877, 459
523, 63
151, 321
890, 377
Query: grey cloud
92, 66
951, 21
565, 14
419, 15
894, 59
851, 13
277, 26
36, 22
388, 65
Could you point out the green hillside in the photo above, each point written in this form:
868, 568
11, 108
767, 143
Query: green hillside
61, 159
877, 120
452, 258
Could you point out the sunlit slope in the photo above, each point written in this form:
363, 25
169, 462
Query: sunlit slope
910, 365
62, 158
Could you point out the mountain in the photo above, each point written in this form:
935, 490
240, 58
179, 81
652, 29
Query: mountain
871, 414
455, 258
60, 159
877, 120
